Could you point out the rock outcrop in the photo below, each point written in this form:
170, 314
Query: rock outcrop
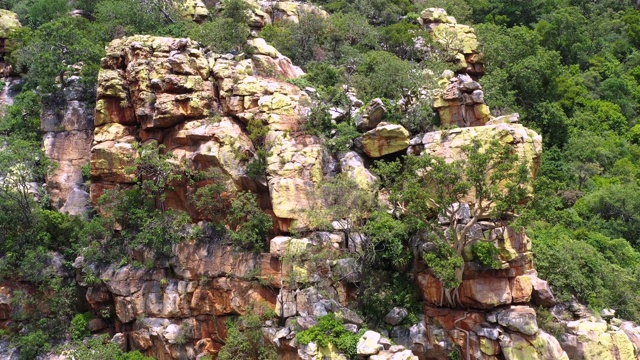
204, 109
67, 124
457, 40
198, 105
194, 10
460, 101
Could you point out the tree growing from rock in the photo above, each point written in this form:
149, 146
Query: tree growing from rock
442, 200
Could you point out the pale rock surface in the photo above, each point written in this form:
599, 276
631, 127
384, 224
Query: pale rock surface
384, 140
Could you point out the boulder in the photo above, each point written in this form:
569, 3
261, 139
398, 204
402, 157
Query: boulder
352, 164
8, 22
542, 294
589, 340
260, 47
368, 343
522, 289
485, 293
519, 318
194, 10
395, 316
384, 140
539, 347
371, 116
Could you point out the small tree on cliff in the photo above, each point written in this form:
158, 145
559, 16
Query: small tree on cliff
430, 193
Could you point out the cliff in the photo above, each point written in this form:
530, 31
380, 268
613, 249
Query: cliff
205, 111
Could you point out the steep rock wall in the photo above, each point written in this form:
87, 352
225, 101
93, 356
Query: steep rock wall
198, 106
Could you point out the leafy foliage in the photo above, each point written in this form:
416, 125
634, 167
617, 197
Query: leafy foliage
78, 327
100, 348
331, 330
246, 340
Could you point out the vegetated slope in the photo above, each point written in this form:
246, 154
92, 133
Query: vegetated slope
570, 69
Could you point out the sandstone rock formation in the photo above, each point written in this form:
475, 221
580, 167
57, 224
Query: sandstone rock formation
385, 139
67, 124
201, 107
193, 10
458, 39
461, 102
198, 105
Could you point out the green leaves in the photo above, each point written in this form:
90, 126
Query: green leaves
47, 53
248, 223
331, 330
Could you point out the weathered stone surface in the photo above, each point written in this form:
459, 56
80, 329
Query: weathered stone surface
67, 123
459, 39
539, 347
481, 293
384, 140
109, 161
368, 343
522, 289
193, 10
352, 164
589, 340
485, 293
542, 294
259, 46
371, 116
519, 318
8, 22
395, 316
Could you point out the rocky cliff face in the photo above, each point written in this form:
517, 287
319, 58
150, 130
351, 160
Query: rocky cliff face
199, 106
67, 124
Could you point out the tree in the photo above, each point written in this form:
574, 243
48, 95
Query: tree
431, 192
226, 32
47, 54
382, 74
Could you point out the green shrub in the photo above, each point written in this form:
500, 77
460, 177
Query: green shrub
101, 348
331, 330
78, 327
246, 340
248, 223
384, 290
444, 262
487, 253
32, 344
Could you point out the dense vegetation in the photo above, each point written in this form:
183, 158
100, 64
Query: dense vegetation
570, 68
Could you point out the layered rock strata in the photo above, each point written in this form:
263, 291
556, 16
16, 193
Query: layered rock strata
67, 124
456, 39
198, 105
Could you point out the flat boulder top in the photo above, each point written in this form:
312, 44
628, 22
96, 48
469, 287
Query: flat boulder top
8, 22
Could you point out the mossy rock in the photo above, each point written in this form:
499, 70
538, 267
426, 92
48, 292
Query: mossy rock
8, 22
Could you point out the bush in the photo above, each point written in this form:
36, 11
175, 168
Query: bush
78, 327
32, 344
486, 253
246, 340
575, 268
101, 348
331, 330
384, 290
221, 34
382, 74
248, 223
